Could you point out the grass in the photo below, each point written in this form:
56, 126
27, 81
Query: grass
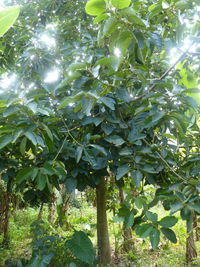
141, 255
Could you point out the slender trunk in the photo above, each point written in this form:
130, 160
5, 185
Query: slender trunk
40, 211
191, 252
52, 209
127, 234
104, 251
62, 218
197, 228
6, 219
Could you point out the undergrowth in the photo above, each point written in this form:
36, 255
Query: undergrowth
83, 218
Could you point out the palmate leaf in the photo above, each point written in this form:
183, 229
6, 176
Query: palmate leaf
81, 247
8, 17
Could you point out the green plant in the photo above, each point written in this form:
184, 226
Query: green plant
51, 249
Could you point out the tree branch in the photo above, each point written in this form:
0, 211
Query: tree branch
164, 75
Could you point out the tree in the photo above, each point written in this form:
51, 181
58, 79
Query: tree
118, 106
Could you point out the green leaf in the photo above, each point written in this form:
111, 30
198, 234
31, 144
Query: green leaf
110, 26
115, 139
125, 151
26, 173
168, 221
79, 151
41, 181
109, 102
48, 169
70, 185
152, 216
131, 15
185, 213
124, 41
95, 7
144, 230
32, 137
195, 207
120, 4
87, 107
129, 220
16, 135
5, 140
137, 177
176, 206
100, 17
81, 247
100, 149
111, 62
169, 234
138, 202
135, 134
10, 111
22, 147
155, 238
122, 170
147, 168
8, 17
48, 131
107, 128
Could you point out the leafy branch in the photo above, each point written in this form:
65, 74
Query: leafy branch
164, 75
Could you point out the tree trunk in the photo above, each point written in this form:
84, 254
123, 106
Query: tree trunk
104, 251
191, 252
63, 208
52, 209
5, 220
197, 228
40, 211
127, 234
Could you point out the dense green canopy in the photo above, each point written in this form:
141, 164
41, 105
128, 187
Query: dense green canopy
83, 97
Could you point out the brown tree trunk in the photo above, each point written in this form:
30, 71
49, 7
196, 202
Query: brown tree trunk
40, 211
62, 218
127, 234
197, 228
191, 252
52, 209
104, 251
5, 220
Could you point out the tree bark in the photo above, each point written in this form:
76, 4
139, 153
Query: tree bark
127, 234
191, 252
5, 226
40, 211
197, 228
52, 209
104, 251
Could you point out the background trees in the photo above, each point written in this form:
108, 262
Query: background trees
111, 100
